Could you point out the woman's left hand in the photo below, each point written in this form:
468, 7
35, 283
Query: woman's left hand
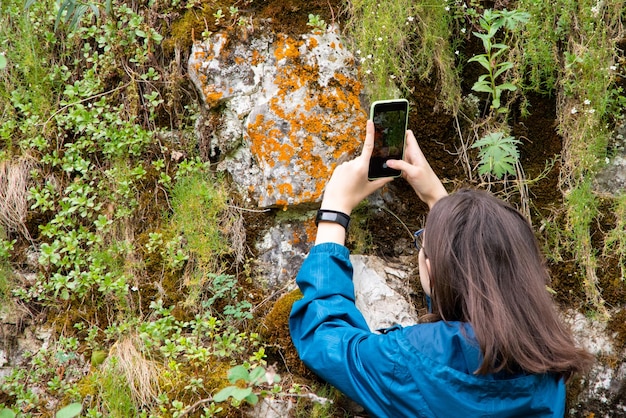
349, 184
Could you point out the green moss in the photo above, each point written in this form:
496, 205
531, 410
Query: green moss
192, 24
275, 330
108, 392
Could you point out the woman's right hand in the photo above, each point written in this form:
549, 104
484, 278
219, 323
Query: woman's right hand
418, 172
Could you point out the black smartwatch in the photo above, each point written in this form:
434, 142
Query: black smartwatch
327, 215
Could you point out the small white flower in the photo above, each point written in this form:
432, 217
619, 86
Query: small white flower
592, 111
393, 77
613, 67
587, 102
456, 52
370, 56
380, 38
607, 160
134, 288
447, 8
368, 72
362, 60
358, 52
463, 30
410, 18
574, 111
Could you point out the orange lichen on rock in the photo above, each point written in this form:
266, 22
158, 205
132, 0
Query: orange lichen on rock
285, 188
327, 120
267, 141
310, 230
287, 47
211, 95
295, 77
257, 58
351, 85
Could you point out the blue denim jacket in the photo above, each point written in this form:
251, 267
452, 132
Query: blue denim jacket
425, 370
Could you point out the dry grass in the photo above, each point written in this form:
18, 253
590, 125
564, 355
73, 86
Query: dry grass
141, 374
14, 184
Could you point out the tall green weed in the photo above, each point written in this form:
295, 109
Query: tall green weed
403, 41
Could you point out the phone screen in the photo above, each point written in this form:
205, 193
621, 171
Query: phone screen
390, 123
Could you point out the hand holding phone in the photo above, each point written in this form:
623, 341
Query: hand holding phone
390, 119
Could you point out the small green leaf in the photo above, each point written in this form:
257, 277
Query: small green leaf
482, 60
7, 413
3, 61
238, 394
252, 399
506, 86
257, 374
482, 86
70, 411
224, 394
238, 373
502, 68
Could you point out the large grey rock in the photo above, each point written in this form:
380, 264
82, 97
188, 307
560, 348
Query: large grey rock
383, 292
602, 388
289, 111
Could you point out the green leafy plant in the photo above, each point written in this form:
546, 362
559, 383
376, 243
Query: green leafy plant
494, 59
243, 382
316, 23
616, 239
73, 11
498, 154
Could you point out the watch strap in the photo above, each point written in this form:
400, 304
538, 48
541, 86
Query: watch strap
327, 215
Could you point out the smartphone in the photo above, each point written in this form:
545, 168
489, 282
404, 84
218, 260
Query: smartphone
390, 119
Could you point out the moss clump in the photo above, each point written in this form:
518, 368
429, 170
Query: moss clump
275, 330
192, 24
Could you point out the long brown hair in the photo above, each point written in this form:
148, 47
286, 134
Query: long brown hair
486, 268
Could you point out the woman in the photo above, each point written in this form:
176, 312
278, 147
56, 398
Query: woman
492, 345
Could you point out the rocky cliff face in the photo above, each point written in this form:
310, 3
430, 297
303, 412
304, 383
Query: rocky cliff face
289, 110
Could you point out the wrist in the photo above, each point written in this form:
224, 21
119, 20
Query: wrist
436, 196
330, 232
332, 216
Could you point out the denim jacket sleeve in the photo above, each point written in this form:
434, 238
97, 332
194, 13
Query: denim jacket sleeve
331, 335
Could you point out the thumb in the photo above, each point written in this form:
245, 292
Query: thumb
368, 145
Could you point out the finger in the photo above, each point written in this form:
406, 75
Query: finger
368, 145
401, 165
411, 142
